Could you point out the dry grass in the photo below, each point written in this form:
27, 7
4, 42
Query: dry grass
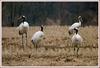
55, 49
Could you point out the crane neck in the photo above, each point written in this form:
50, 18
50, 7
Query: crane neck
79, 21
23, 21
76, 31
41, 28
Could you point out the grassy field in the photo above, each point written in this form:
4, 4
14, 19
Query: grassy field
55, 49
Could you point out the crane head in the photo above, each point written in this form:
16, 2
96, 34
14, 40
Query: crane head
80, 18
22, 18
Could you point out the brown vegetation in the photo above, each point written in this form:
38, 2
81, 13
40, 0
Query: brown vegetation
55, 49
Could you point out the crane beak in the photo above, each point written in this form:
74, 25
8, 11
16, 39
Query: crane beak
19, 18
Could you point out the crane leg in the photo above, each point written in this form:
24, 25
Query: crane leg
77, 51
74, 50
26, 39
33, 43
36, 46
22, 42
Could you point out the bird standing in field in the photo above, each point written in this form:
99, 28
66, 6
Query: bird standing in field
75, 25
76, 40
23, 29
37, 37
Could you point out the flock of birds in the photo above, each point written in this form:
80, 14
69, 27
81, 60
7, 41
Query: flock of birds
38, 36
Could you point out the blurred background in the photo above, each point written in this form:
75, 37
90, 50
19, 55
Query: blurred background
49, 13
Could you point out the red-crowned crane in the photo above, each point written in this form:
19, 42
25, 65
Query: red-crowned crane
23, 29
37, 37
76, 40
75, 25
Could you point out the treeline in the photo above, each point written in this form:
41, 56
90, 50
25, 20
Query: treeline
49, 13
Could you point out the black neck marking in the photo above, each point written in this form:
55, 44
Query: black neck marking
76, 30
42, 28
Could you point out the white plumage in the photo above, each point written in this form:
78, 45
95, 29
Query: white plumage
76, 40
37, 37
75, 25
23, 29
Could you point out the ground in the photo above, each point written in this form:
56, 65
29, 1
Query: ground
55, 49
